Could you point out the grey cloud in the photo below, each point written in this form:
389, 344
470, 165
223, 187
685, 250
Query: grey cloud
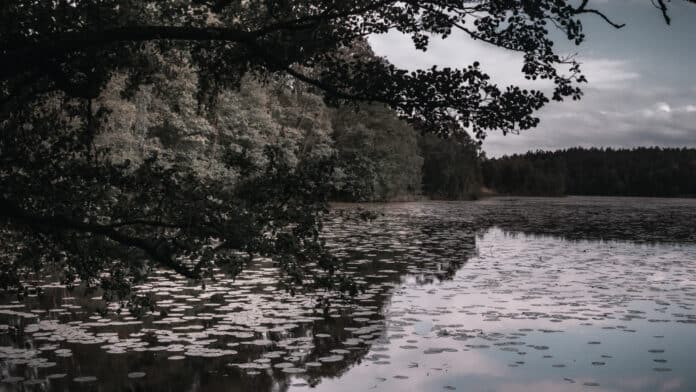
635, 74
608, 118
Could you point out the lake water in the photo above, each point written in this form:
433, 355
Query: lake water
508, 294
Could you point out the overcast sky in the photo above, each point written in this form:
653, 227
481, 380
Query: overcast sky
642, 83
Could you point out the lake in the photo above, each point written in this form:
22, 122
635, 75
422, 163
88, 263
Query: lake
503, 294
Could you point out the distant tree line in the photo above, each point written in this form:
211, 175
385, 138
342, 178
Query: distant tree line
655, 171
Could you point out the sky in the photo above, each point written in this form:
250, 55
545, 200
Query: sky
642, 83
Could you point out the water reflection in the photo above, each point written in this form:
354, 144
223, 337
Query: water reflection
532, 313
526, 312
234, 335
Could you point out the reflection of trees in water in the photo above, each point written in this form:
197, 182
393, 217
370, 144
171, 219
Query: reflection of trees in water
637, 220
385, 253
421, 249
642, 220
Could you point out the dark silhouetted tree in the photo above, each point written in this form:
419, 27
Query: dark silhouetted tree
451, 167
654, 171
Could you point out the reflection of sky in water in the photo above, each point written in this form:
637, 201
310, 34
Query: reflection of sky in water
450, 304
540, 314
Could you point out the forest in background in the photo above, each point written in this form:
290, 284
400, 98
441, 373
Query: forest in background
653, 171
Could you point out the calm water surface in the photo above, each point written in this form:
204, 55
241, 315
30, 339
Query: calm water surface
510, 294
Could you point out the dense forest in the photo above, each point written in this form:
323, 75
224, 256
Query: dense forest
375, 155
655, 171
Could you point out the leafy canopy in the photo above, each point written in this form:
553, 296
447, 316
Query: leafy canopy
75, 46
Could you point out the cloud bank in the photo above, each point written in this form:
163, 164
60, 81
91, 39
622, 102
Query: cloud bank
640, 93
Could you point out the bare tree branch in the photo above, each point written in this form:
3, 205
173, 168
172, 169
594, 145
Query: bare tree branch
582, 9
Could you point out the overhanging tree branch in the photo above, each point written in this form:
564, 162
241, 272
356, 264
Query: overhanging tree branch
17, 57
158, 250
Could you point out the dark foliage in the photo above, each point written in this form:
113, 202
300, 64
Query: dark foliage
666, 172
451, 167
73, 47
378, 156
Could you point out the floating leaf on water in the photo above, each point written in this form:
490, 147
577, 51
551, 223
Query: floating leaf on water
12, 379
260, 342
293, 370
352, 342
331, 358
434, 350
33, 382
85, 379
